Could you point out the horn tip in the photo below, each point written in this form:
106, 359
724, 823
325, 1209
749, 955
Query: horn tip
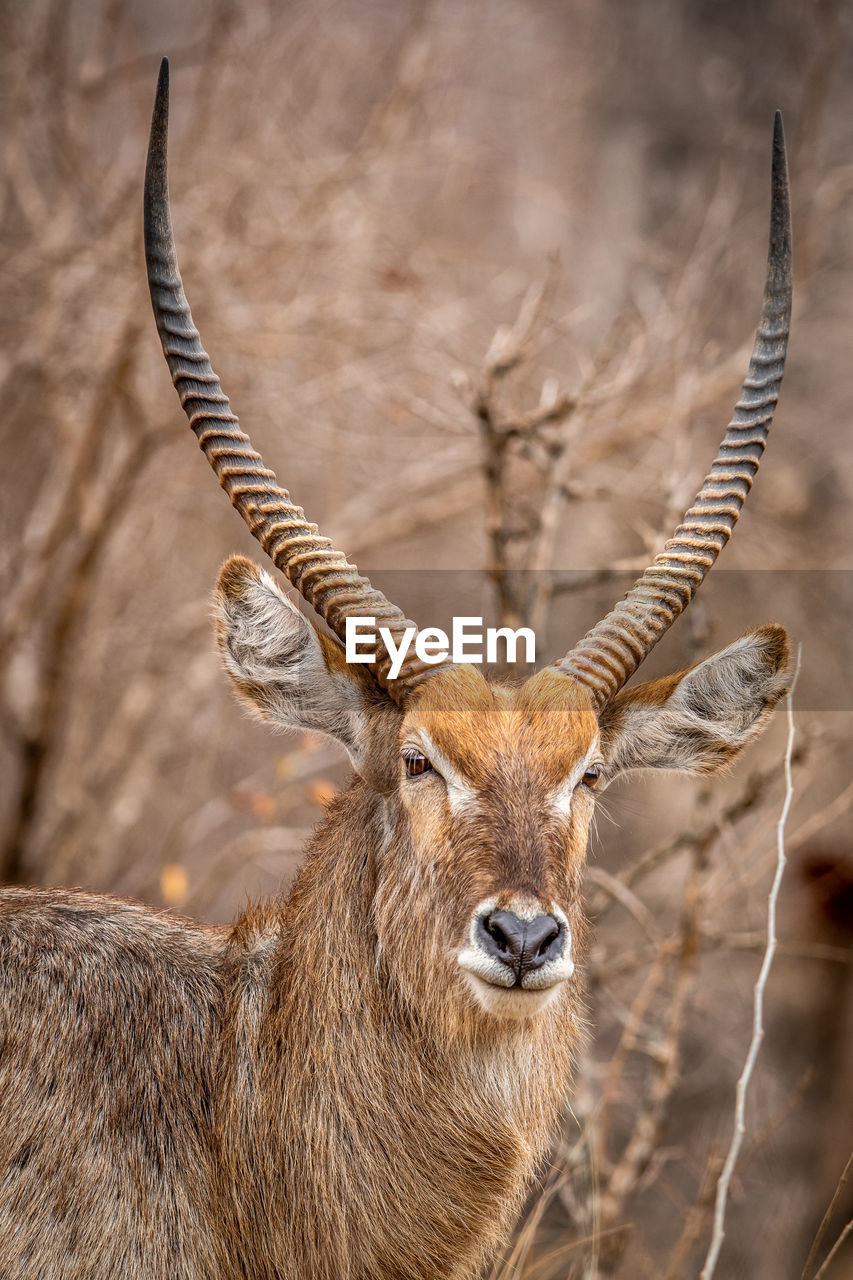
780, 163
162, 98
160, 115
156, 186
780, 218
155, 168
779, 160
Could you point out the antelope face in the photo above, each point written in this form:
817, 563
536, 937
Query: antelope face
497, 784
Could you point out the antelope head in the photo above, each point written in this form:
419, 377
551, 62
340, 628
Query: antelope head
485, 790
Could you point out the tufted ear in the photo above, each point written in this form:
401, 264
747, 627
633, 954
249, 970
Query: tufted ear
287, 671
699, 720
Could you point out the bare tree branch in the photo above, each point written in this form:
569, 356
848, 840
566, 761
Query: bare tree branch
825, 1221
725, 1179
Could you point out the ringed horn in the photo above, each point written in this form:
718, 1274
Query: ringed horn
323, 575
610, 653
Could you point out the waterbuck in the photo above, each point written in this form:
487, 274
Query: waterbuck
358, 1081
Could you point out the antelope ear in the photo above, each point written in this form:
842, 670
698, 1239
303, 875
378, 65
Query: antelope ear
699, 720
282, 667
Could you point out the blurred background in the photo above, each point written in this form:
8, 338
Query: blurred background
480, 279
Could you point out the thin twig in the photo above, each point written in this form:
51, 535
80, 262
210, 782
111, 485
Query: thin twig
621, 893
725, 1179
638, 1151
825, 1221
834, 1250
694, 1221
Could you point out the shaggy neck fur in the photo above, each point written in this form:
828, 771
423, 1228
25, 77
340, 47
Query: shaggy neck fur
404, 1143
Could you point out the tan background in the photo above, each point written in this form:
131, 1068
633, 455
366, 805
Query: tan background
362, 193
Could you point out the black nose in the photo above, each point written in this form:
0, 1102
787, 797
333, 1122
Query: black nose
523, 945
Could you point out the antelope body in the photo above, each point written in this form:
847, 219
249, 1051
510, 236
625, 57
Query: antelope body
360, 1080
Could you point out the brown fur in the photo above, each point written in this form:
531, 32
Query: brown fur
316, 1092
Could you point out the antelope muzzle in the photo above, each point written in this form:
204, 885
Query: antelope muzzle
522, 948
518, 955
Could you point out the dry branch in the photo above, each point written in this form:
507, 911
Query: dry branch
824, 1225
725, 1178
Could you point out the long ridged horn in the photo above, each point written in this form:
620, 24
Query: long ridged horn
323, 575
610, 653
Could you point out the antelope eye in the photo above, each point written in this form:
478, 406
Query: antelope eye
416, 764
592, 776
